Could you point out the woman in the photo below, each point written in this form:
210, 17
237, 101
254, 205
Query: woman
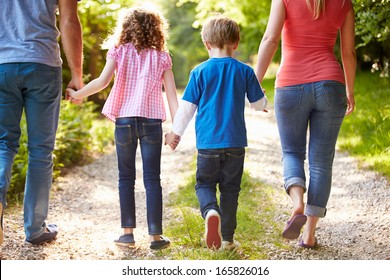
311, 89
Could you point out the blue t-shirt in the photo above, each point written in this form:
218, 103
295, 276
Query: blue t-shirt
218, 87
28, 32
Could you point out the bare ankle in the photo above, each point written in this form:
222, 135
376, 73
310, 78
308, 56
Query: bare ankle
154, 237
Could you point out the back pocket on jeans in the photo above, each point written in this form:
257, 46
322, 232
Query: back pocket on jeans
335, 95
152, 132
288, 99
123, 134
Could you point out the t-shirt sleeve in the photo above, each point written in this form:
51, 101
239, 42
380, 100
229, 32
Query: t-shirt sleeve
254, 91
192, 92
166, 61
113, 53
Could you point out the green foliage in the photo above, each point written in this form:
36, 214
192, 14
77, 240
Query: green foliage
79, 135
366, 133
186, 18
73, 133
252, 17
184, 43
372, 20
373, 34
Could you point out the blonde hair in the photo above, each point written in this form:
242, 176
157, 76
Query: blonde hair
145, 29
319, 7
219, 31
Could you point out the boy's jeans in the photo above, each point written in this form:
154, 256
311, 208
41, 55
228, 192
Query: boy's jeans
128, 131
223, 167
36, 88
320, 106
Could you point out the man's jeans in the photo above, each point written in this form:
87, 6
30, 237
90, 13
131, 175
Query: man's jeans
223, 167
320, 106
36, 88
128, 131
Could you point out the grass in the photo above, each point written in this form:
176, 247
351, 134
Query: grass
256, 228
366, 133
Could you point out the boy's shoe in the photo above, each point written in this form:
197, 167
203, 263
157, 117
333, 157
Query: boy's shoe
1, 225
213, 234
228, 246
126, 240
48, 236
160, 244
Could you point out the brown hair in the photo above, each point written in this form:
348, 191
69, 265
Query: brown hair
144, 29
219, 31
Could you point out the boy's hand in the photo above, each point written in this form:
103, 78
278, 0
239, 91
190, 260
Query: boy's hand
172, 140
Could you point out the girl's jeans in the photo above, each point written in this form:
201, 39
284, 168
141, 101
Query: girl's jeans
223, 167
319, 106
128, 131
36, 88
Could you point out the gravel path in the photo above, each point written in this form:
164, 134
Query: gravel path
85, 206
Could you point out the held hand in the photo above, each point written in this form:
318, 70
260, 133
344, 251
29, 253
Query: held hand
69, 96
172, 140
76, 84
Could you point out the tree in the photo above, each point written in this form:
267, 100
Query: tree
373, 34
252, 17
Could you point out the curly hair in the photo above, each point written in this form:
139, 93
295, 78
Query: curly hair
144, 29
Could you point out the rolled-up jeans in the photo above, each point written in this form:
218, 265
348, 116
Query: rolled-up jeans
148, 132
36, 88
319, 108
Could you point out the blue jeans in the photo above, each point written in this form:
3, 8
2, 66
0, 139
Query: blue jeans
223, 167
36, 88
128, 131
321, 107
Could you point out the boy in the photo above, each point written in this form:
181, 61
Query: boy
217, 90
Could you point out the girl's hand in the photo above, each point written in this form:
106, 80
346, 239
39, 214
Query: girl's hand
172, 140
69, 95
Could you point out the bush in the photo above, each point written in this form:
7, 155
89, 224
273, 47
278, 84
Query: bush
80, 133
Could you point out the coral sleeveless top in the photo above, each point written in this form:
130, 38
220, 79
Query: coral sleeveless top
307, 44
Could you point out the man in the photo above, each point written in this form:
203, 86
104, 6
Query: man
31, 80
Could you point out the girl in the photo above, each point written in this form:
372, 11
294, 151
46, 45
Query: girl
142, 64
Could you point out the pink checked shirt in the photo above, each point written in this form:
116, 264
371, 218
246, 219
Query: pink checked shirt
137, 89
